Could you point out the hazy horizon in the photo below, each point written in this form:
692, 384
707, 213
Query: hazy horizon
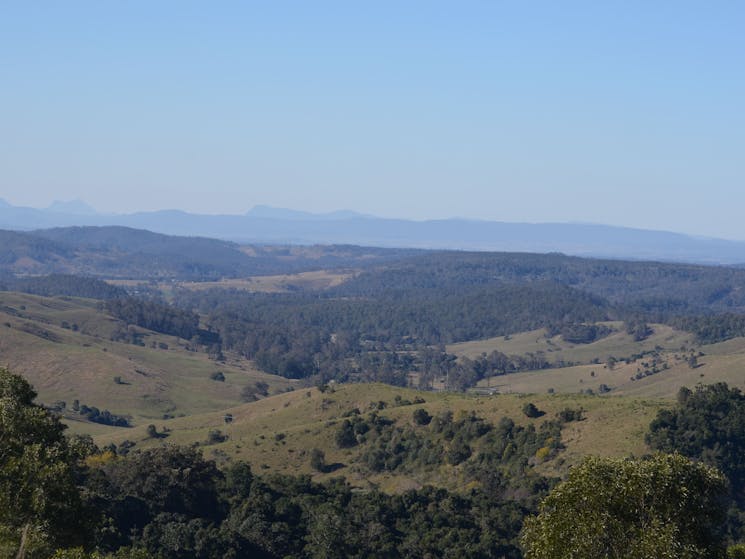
627, 114
58, 206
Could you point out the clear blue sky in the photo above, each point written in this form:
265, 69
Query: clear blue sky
629, 113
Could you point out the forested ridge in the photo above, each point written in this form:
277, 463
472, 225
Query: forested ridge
123, 252
434, 299
68, 285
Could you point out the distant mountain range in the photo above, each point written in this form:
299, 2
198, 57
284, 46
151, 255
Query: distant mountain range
267, 225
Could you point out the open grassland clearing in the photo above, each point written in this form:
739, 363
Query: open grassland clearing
618, 344
317, 280
656, 374
304, 281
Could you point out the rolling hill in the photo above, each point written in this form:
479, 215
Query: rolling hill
278, 434
66, 348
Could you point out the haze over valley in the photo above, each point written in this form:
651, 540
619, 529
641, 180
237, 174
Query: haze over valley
333, 280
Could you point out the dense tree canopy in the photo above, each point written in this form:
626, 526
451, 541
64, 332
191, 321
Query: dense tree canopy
37, 482
664, 507
708, 424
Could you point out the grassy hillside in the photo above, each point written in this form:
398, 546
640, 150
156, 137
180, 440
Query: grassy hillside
654, 368
63, 346
618, 344
278, 433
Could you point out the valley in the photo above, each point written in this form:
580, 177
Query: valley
68, 348
391, 373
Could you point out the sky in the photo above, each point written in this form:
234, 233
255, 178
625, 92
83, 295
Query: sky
625, 113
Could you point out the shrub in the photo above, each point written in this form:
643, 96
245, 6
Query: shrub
215, 436
530, 410
318, 460
568, 415
421, 417
345, 437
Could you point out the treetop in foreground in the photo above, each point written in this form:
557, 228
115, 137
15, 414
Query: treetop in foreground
666, 507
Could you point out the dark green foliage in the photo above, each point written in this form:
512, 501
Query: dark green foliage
68, 285
383, 324
171, 503
666, 506
568, 415
637, 328
650, 287
105, 417
15, 245
38, 468
710, 329
252, 392
155, 316
292, 517
345, 437
708, 424
583, 333
498, 456
318, 460
284, 333
530, 410
421, 417
170, 480
215, 436
458, 452
262, 388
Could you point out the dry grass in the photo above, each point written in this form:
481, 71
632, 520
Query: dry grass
618, 344
715, 366
317, 280
67, 365
278, 433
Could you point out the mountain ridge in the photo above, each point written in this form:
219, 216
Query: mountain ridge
264, 224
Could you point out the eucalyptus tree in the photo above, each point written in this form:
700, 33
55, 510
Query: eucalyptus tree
666, 507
